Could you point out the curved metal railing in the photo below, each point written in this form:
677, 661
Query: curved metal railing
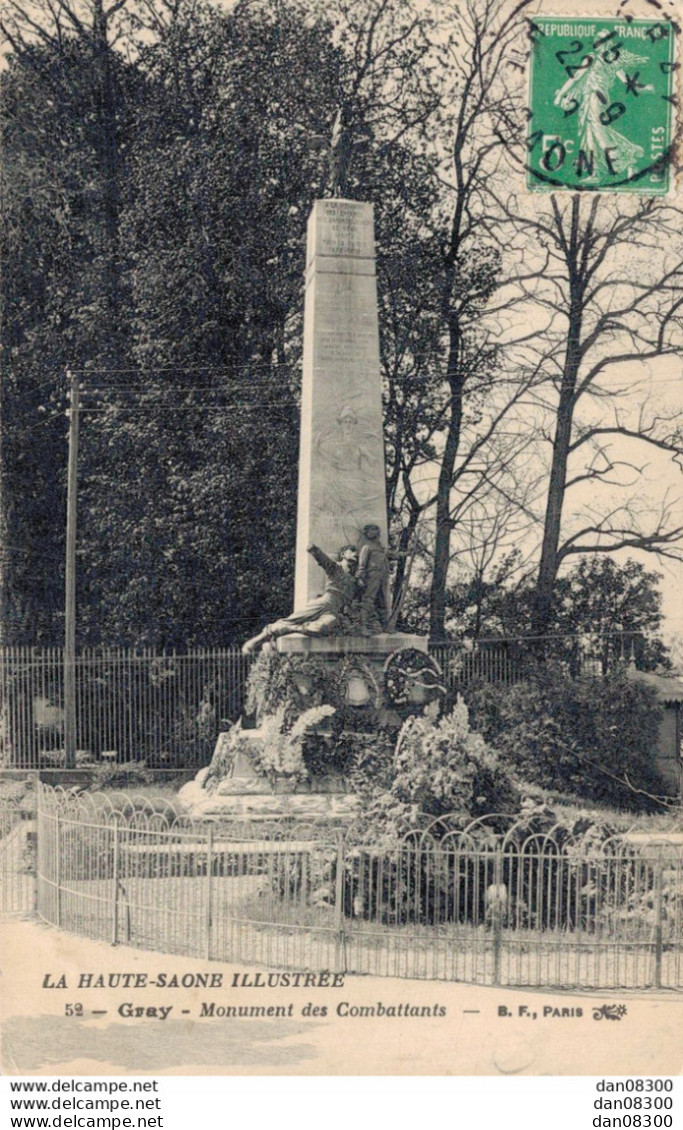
496, 900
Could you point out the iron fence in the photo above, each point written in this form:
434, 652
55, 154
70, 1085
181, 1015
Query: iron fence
450, 902
163, 708
17, 858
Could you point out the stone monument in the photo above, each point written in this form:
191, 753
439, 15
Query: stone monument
335, 652
341, 460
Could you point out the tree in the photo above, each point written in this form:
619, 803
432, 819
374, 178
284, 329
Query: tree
194, 399
610, 297
55, 294
223, 183
39, 33
215, 252
613, 611
604, 612
560, 267
456, 393
383, 88
57, 289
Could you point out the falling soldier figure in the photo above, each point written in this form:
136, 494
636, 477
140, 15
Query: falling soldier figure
323, 613
373, 574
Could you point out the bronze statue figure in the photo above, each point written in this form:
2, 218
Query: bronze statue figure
373, 575
323, 613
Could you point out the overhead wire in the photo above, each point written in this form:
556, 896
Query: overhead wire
278, 410
179, 368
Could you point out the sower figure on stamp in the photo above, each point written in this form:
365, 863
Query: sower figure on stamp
323, 613
373, 574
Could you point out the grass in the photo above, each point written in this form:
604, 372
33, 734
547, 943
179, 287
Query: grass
570, 808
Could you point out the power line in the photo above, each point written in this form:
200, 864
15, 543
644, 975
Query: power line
586, 635
278, 392
162, 387
277, 410
267, 365
47, 420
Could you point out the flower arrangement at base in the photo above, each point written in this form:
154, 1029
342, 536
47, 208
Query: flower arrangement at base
279, 751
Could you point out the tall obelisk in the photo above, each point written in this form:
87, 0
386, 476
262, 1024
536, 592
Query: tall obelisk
341, 461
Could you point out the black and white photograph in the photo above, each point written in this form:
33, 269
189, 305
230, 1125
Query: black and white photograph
341, 543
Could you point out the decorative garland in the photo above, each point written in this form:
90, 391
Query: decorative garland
409, 667
274, 682
364, 669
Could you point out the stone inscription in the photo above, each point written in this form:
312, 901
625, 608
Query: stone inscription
338, 346
345, 229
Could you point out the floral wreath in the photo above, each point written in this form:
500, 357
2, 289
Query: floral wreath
365, 670
411, 667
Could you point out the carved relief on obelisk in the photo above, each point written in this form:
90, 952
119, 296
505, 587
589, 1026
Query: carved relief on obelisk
341, 463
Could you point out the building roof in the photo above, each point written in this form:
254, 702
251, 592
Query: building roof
668, 688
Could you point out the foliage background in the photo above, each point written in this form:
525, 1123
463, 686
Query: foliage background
160, 161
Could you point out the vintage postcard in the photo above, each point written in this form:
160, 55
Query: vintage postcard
341, 684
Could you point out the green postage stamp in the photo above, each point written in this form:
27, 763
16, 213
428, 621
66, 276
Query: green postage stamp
601, 104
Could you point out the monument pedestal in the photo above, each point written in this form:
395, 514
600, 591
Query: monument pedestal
255, 797
300, 806
369, 652
367, 646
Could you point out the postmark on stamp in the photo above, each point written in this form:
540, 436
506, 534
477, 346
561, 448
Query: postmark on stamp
601, 111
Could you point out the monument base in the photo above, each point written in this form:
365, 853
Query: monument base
370, 683
383, 644
254, 799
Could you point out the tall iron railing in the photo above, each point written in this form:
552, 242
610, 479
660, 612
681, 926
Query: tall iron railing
17, 857
163, 708
451, 900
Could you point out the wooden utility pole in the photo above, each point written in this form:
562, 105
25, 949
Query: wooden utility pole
70, 578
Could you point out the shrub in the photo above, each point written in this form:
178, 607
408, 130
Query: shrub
439, 767
445, 766
126, 775
17, 795
586, 736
